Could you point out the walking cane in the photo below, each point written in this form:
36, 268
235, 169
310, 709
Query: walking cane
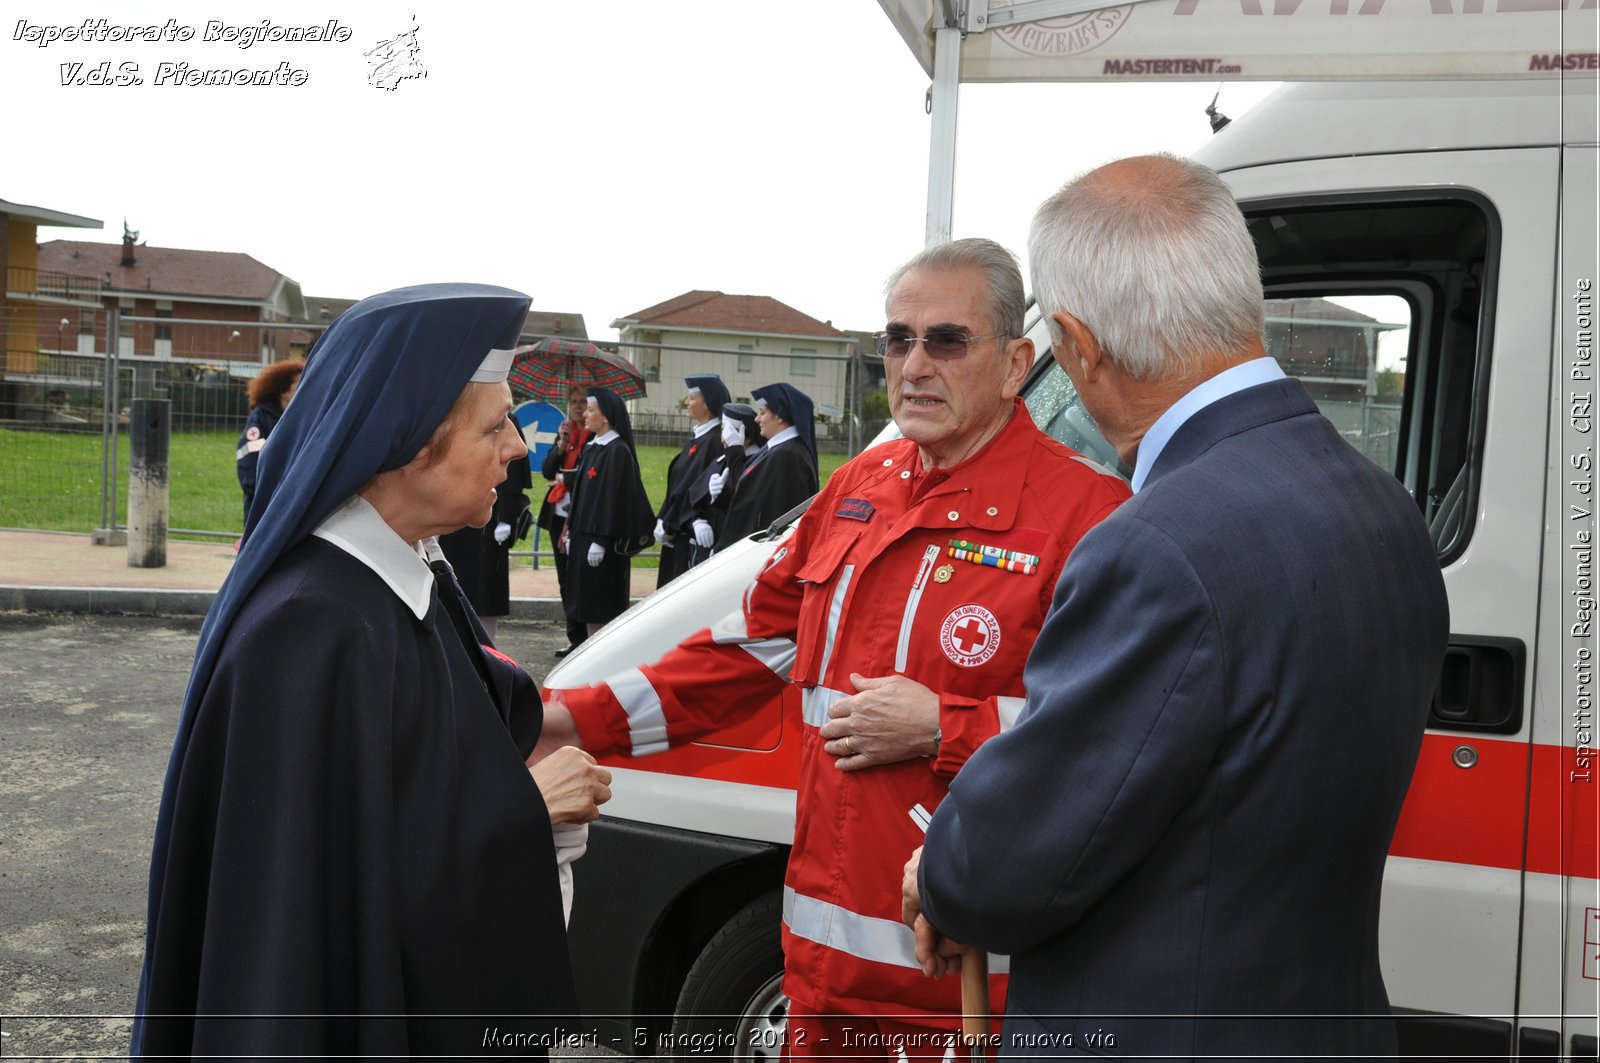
974, 1001
974, 978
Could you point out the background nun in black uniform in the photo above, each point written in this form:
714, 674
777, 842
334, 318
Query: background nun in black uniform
676, 527
612, 518
481, 557
784, 473
710, 495
351, 856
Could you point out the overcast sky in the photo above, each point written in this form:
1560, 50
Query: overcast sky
601, 157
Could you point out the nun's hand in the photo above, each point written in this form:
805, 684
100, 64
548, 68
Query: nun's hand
597, 554
502, 532
703, 535
661, 532
717, 482
572, 784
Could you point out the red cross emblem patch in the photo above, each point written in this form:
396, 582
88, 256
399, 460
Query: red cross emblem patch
593, 473
970, 635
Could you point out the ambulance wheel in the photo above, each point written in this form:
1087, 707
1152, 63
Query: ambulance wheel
732, 1005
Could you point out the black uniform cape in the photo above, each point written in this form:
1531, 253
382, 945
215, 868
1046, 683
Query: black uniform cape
609, 507
349, 856
677, 514
483, 566
774, 481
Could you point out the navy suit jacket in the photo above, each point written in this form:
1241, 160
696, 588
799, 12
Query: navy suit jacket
1189, 822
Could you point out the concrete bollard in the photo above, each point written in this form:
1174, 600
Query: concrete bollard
149, 435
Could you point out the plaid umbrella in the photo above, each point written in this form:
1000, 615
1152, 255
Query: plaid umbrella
546, 371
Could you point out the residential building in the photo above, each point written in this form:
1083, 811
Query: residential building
39, 307
1332, 349
748, 340
226, 296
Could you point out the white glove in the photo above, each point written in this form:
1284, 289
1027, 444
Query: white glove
572, 841
661, 532
718, 479
703, 535
502, 532
597, 554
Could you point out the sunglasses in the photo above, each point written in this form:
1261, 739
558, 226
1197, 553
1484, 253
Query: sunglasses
942, 344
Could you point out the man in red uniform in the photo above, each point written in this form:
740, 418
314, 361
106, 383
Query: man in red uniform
904, 605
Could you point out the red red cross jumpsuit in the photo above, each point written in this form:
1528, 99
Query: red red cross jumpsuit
868, 584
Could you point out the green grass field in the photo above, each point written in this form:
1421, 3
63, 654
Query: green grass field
50, 481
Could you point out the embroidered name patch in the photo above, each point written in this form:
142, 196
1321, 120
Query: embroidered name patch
970, 635
855, 509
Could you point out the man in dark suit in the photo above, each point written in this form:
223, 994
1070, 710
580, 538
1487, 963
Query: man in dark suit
1181, 843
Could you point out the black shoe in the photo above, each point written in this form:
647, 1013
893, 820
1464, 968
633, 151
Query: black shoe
564, 652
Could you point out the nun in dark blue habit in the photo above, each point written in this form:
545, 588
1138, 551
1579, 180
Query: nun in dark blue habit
612, 518
351, 856
710, 495
679, 530
784, 473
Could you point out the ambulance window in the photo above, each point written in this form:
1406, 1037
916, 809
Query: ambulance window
1379, 307
1350, 351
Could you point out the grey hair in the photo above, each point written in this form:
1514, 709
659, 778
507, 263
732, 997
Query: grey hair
1006, 299
1158, 263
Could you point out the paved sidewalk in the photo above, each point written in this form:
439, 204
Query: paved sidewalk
63, 572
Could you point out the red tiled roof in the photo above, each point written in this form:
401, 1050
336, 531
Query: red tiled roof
738, 313
163, 270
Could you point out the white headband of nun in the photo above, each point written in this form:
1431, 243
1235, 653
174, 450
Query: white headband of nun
496, 366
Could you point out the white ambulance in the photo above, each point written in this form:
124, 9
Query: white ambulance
1429, 255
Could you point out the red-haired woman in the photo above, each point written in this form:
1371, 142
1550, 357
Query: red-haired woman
269, 393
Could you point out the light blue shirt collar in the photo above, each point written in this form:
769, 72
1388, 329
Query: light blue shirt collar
1228, 382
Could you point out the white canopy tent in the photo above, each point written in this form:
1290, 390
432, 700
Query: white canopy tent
960, 41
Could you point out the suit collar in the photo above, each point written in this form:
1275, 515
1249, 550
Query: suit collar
1243, 410
1219, 386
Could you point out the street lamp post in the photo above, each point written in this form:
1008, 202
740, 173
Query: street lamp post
60, 331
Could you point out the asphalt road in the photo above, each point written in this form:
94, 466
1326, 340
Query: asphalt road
88, 707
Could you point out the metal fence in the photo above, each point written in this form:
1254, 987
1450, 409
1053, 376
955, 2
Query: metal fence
64, 412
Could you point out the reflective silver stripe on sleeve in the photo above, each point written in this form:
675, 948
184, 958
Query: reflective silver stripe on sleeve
835, 607
862, 936
776, 654
730, 628
1010, 709
814, 704
647, 726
